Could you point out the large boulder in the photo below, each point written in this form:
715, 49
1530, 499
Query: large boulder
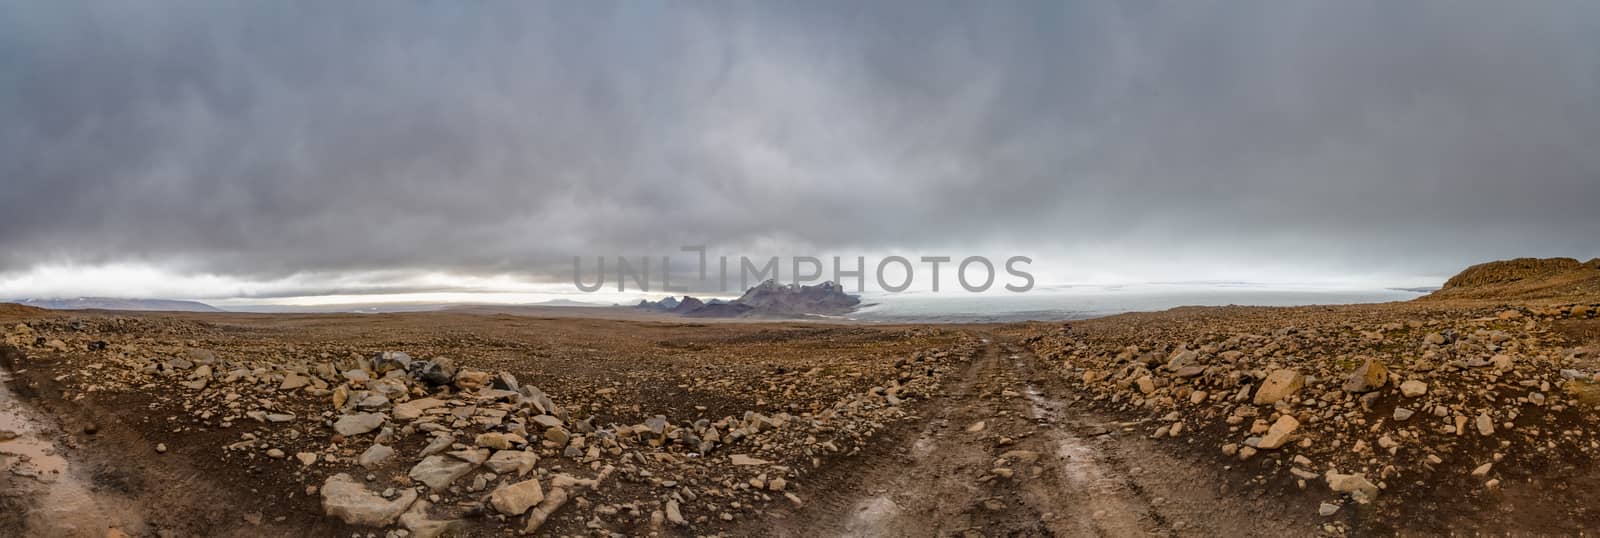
350, 501
1279, 385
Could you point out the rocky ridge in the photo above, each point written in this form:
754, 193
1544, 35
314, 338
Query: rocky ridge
1524, 279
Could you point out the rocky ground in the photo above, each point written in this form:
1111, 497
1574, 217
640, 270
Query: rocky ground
330, 424
1422, 417
1408, 418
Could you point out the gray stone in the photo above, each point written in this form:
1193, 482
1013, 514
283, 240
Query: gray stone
507, 461
358, 424
439, 471
391, 360
375, 456
415, 408
437, 445
436, 371
417, 521
350, 501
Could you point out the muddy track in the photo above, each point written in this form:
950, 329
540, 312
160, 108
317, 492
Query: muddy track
1004, 453
73, 483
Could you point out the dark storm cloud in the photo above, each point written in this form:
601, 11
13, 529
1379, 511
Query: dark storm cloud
262, 139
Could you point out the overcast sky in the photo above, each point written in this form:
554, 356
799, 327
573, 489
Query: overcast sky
217, 148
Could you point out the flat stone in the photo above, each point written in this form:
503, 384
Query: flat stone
499, 441
741, 459
437, 445
439, 471
375, 456
1356, 485
507, 461
1413, 388
358, 424
415, 408
350, 501
294, 381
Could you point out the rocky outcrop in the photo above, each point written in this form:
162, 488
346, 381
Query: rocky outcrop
1524, 278
688, 305
768, 299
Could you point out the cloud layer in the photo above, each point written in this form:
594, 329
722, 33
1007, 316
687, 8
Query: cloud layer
263, 140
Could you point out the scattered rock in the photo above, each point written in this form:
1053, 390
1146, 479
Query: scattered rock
1279, 433
358, 424
1280, 384
375, 456
515, 499
1370, 376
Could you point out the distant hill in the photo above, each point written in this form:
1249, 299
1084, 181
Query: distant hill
564, 302
112, 303
12, 310
1524, 278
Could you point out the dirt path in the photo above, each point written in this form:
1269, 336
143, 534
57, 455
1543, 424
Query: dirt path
1004, 453
44, 492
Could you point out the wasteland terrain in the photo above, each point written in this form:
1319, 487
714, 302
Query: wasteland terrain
1472, 410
